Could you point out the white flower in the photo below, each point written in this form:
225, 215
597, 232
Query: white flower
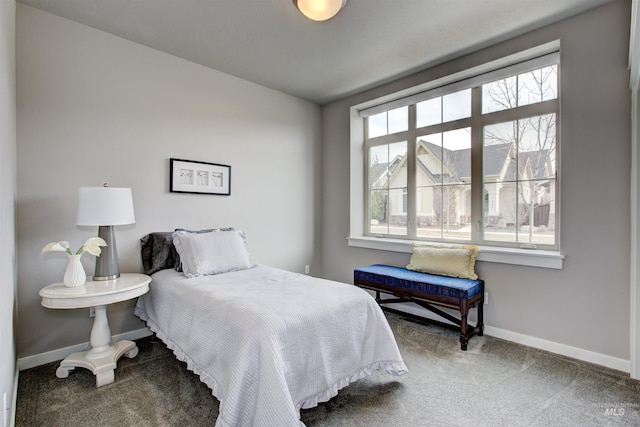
92, 245
57, 247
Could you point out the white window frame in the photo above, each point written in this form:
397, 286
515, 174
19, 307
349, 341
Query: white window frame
492, 71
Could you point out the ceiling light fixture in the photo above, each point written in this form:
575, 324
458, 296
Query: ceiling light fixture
319, 10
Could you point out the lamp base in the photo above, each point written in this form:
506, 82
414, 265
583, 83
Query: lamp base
107, 263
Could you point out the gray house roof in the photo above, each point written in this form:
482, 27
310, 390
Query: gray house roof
377, 170
494, 158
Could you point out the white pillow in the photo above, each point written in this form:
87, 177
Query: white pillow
454, 261
216, 252
178, 263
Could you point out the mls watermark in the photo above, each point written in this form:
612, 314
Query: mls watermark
616, 409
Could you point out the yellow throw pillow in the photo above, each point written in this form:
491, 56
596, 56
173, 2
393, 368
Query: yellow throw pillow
454, 261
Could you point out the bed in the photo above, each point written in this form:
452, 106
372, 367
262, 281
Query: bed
267, 342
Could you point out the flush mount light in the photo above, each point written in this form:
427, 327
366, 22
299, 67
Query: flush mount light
319, 10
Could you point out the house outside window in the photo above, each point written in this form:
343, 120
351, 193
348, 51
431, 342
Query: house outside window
474, 161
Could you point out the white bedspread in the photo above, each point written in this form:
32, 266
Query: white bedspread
269, 342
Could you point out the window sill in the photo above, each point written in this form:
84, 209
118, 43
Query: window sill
527, 257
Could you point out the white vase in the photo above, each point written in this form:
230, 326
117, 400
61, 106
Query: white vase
74, 275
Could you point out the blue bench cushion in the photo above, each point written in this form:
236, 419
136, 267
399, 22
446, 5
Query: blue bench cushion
432, 284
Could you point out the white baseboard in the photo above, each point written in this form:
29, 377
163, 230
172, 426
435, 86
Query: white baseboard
541, 344
562, 349
61, 353
553, 347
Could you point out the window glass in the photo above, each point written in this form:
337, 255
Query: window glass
429, 112
388, 189
377, 125
499, 95
442, 109
519, 180
388, 122
456, 105
378, 166
537, 86
524, 89
398, 120
443, 185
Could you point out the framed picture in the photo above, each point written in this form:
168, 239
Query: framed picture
190, 176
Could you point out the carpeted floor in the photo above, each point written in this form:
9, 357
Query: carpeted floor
494, 383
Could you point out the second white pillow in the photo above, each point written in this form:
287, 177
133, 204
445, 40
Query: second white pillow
211, 253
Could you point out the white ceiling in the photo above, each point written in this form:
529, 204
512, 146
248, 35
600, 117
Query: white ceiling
270, 43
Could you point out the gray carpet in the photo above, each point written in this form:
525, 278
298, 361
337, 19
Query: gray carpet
494, 383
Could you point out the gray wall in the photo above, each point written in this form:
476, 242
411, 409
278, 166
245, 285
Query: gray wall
7, 200
586, 304
93, 108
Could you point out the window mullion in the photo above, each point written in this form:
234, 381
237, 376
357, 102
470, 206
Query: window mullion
545, 107
367, 190
411, 175
477, 185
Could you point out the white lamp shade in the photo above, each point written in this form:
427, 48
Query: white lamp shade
105, 206
320, 10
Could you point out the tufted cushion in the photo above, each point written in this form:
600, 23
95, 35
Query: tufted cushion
431, 284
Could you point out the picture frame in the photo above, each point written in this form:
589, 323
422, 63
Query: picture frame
192, 176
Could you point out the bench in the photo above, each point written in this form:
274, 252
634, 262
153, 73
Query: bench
428, 291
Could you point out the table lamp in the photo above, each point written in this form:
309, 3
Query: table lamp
105, 207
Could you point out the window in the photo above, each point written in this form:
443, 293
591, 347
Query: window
471, 161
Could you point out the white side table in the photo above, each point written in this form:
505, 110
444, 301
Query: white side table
103, 356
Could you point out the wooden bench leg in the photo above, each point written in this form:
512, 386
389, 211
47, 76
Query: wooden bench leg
464, 337
480, 325
464, 327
